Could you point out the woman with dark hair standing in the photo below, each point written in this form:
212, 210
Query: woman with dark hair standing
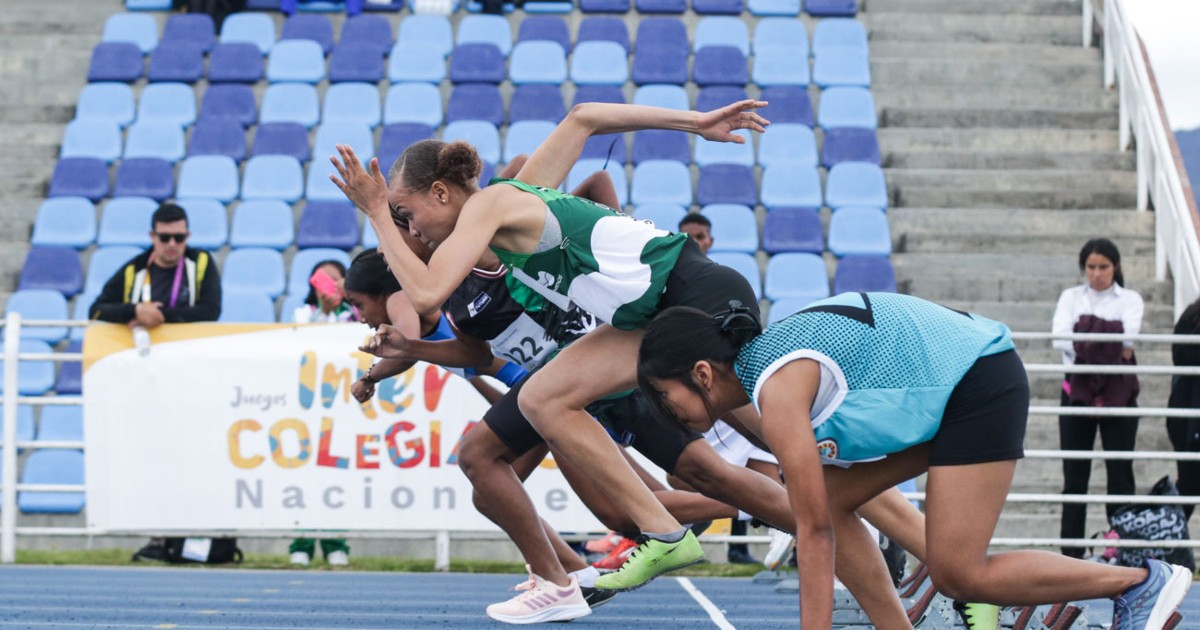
1100, 305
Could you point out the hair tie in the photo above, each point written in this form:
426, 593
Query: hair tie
738, 319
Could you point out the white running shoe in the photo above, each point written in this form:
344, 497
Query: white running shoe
782, 543
299, 558
541, 601
338, 559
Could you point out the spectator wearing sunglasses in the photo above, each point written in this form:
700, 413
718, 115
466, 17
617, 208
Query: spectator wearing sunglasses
166, 284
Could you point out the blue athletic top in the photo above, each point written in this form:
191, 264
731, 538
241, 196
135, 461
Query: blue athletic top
888, 365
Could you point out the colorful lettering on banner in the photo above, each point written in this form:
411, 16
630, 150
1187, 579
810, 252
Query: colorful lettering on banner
235, 451
324, 458
301, 431
434, 384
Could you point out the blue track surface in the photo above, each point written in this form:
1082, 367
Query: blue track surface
89, 597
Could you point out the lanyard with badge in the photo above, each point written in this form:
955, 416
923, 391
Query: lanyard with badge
175, 286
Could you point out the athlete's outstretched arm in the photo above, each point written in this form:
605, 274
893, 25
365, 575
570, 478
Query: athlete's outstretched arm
461, 352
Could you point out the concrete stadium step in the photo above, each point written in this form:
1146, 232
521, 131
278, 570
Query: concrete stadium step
1011, 188
1007, 28
935, 196
984, 51
1036, 315
48, 113
1030, 179
970, 72
1023, 222
1013, 160
1024, 7
993, 97
999, 140
954, 116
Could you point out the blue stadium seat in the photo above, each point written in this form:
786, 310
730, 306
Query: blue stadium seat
846, 107
368, 30
398, 137
79, 177
661, 181
351, 61
603, 29
148, 5
332, 133
708, 152
480, 133
369, 238
218, 136
791, 187
412, 103
787, 104
249, 28
314, 28
232, 102
584, 168
604, 6
717, 7
663, 31
857, 230
272, 177
782, 309
305, 260
254, 269
525, 136
743, 264
282, 138
235, 62
34, 378
40, 304
536, 102
413, 61
290, 102
608, 147
837, 34
486, 174
864, 273
79, 311
103, 263
545, 28
761, 8
133, 28
661, 144
431, 32
173, 102
669, 96
328, 224
856, 184
61, 423
353, 102
485, 29
831, 8
296, 60
65, 222
25, 424
842, 66
674, 7
108, 102
726, 183
317, 185
192, 28
176, 62
91, 139
538, 62
775, 65
778, 31
207, 221
720, 65
788, 144
384, 6
659, 63
722, 31
126, 221
664, 216
734, 228
160, 139
247, 307
545, 6
718, 96
209, 177
52, 466
145, 177
70, 377
115, 61
54, 268
598, 94
850, 144
287, 313
797, 276
477, 63
793, 230
262, 223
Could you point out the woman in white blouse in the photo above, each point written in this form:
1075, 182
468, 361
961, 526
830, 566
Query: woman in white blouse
1101, 304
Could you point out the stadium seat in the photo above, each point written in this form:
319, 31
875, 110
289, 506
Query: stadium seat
263, 5
664, 216
218, 136
176, 62
787, 104
536, 102
604, 29
604, 6
476, 101
287, 313
719, 65
545, 6
477, 63
775, 65
734, 228
663, 31
485, 29
80, 177
661, 144
314, 28
262, 223
608, 147
675, 7
126, 221
661, 181
794, 187
103, 263
272, 177
290, 102
669, 96
249, 28
34, 378
160, 139
115, 61
793, 230
145, 177
722, 31
856, 184
25, 424
659, 63
369, 238
782, 309
789, 144
598, 94
91, 139
235, 63
760, 8
842, 66
332, 133
778, 31
410, 103
40, 304
864, 273
209, 177
846, 107
398, 137
61, 423
718, 96
415, 62
797, 276
486, 174
132, 28
296, 60
54, 268
246, 307
303, 263
857, 230
351, 61
384, 6
835, 34
717, 7
232, 102
317, 185
479, 133
191, 28
368, 30
726, 183
353, 102
545, 28
172, 102
70, 377
79, 311
282, 138
743, 264
708, 152
328, 224
850, 144
831, 8
207, 221
523, 137
65, 222
538, 62
584, 168
431, 32
253, 269
107, 102
52, 466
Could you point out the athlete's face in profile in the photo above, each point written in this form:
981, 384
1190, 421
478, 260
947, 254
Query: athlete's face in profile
428, 216
372, 309
685, 403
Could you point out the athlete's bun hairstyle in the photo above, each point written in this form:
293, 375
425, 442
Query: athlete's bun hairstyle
369, 274
425, 162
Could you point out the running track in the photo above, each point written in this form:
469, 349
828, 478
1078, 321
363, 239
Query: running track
165, 598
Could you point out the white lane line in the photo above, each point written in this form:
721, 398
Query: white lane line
714, 613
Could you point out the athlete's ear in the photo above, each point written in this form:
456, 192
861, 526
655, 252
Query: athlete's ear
702, 375
440, 191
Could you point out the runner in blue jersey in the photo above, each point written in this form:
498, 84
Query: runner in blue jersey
881, 388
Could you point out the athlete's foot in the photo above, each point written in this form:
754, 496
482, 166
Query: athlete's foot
781, 543
651, 559
596, 597
1151, 604
541, 601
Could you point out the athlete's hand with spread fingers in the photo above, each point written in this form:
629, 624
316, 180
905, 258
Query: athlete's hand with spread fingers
362, 390
366, 189
387, 343
719, 124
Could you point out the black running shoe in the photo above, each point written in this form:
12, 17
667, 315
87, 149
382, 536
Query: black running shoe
596, 597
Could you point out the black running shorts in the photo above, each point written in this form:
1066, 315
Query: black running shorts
985, 418
701, 283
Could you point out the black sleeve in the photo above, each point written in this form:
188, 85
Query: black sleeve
208, 302
110, 305
1189, 324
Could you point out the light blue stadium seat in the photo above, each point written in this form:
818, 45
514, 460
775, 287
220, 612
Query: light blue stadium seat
61, 423
91, 139
107, 102
52, 466
296, 60
791, 187
317, 185
369, 237
788, 145
287, 313
247, 307
25, 424
525, 136
208, 177
34, 378
126, 221
838, 32
661, 181
160, 139
485, 29
797, 276
789, 8
743, 264
431, 32
303, 263
847, 107
40, 304
856, 184
257, 269
251, 28
79, 311
864, 273
707, 152
584, 169
290, 102
277, 177
842, 66
783, 308
65, 221
135, 28
207, 221
857, 230
599, 63
148, 5
103, 263
662, 95
664, 216
537, 62
331, 133
722, 31
262, 223
174, 102
734, 228
481, 134
352, 102
779, 31
415, 62
775, 65
413, 103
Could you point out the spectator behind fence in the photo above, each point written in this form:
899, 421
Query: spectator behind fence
1101, 305
698, 227
1185, 394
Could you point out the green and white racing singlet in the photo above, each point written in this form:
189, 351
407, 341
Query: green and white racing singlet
608, 263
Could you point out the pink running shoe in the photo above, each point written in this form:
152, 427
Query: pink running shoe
541, 601
604, 544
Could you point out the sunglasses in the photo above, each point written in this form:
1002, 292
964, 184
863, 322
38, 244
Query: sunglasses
167, 238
